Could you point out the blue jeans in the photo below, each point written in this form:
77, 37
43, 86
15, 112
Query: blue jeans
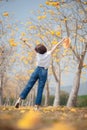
39, 74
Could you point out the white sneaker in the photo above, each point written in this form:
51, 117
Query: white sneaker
36, 108
17, 104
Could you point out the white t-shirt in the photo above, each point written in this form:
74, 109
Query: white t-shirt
43, 60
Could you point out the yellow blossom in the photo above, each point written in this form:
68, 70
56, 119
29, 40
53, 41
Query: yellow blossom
41, 17
52, 32
25, 62
65, 19
58, 33
30, 71
73, 110
5, 14
54, 41
29, 120
41, 5
85, 65
85, 2
62, 126
37, 42
23, 34
12, 42
55, 3
81, 39
54, 54
57, 60
40, 36
32, 27
47, 3
22, 111
52, 3
51, 12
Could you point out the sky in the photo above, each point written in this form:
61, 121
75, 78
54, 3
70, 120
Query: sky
22, 10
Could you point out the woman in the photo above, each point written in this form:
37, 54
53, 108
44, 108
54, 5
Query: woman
40, 73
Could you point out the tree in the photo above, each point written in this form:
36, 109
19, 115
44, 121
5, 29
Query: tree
3, 68
6, 51
73, 14
47, 94
80, 54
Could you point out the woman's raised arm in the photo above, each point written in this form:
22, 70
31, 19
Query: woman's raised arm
27, 44
58, 44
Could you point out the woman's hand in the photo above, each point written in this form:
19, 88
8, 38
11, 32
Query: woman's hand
23, 39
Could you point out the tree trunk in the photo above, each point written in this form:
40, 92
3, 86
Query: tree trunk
74, 92
1, 90
47, 94
57, 95
1, 96
57, 90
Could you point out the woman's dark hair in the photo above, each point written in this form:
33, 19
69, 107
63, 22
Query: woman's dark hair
40, 48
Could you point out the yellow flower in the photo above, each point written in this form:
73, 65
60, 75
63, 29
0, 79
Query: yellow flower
54, 54
65, 19
52, 3
73, 110
51, 12
85, 65
23, 34
41, 5
81, 39
58, 33
41, 17
30, 71
4, 109
25, 62
22, 111
47, 3
44, 16
54, 41
29, 22
85, 2
79, 26
55, 3
57, 60
32, 27
62, 126
37, 42
29, 120
52, 32
12, 42
5, 14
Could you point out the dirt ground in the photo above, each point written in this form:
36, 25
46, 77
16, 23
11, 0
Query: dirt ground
47, 118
